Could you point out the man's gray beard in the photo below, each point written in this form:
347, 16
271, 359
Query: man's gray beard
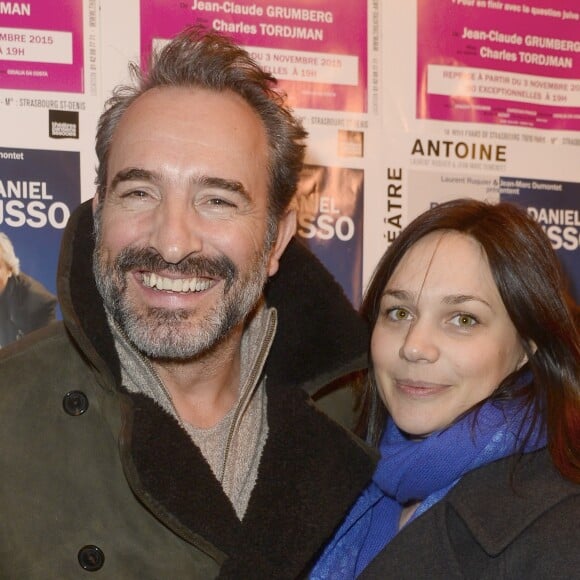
165, 334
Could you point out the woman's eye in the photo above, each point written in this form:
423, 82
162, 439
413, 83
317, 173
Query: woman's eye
398, 314
464, 320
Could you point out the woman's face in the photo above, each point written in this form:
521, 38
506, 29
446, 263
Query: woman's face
443, 340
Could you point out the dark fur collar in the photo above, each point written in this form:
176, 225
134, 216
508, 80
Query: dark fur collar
311, 471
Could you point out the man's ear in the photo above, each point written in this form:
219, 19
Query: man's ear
96, 200
286, 229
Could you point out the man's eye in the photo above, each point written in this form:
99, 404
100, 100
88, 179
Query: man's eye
217, 204
140, 193
134, 194
464, 320
398, 314
220, 202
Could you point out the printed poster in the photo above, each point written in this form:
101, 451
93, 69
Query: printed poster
555, 205
38, 191
493, 61
41, 45
330, 222
316, 49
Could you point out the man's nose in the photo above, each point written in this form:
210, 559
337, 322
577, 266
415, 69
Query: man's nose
177, 230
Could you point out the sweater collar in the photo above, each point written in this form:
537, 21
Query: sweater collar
138, 375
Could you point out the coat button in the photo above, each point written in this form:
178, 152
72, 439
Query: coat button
91, 558
75, 403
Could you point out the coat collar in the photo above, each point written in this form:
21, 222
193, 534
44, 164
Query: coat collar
510, 495
310, 472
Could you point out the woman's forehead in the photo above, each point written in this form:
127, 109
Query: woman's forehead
445, 261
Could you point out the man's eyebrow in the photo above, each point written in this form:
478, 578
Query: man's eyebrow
134, 174
138, 174
225, 184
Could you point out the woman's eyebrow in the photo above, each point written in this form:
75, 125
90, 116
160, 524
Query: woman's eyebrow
454, 299
399, 294
451, 299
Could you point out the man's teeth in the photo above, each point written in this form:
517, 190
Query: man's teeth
176, 285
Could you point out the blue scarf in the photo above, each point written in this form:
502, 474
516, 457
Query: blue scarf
424, 470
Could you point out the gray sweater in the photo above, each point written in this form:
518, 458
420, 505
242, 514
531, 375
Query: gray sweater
234, 445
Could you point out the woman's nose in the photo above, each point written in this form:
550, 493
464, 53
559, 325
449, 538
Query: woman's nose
419, 343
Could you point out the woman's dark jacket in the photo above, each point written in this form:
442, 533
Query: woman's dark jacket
94, 476
495, 524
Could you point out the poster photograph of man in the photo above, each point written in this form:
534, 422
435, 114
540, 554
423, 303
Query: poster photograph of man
25, 304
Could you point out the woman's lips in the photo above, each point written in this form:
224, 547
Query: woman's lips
420, 389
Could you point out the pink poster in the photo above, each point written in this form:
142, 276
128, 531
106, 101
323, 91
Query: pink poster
41, 45
317, 49
507, 63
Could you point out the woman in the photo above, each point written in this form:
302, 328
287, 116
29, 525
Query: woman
473, 399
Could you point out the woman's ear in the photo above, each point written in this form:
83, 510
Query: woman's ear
524, 358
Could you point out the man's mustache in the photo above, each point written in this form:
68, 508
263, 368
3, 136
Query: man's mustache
191, 266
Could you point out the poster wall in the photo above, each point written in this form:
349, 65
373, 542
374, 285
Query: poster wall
406, 104
492, 100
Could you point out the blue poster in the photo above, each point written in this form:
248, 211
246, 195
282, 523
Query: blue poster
38, 191
330, 222
555, 205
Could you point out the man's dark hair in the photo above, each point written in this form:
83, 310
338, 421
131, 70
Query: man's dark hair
198, 58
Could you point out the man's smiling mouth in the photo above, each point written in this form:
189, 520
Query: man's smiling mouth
152, 280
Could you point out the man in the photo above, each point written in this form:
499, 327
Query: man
166, 430
25, 304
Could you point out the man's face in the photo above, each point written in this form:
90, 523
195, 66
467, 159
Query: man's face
182, 252
5, 273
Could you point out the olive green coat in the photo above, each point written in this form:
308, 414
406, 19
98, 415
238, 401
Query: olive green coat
106, 479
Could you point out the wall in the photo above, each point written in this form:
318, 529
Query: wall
407, 104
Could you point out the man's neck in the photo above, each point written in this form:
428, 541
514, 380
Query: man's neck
205, 388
